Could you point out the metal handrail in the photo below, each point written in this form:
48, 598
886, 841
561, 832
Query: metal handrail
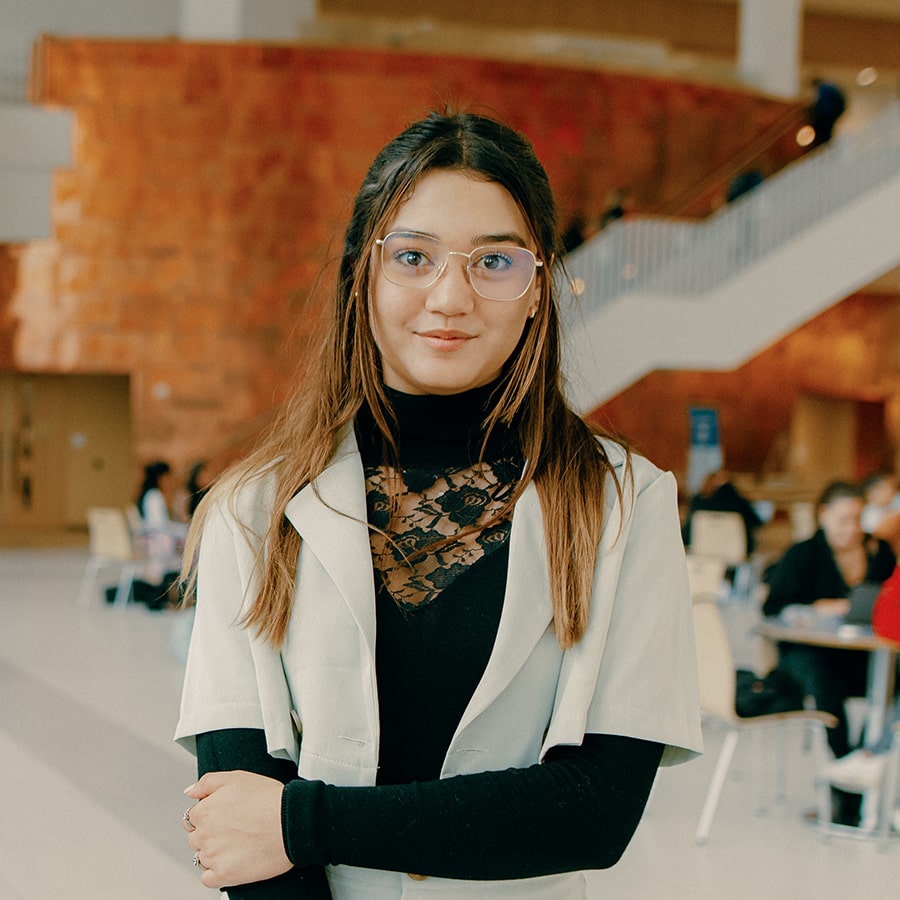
690, 259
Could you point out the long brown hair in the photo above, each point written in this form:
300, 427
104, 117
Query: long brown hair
568, 465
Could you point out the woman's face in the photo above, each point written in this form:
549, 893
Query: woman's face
840, 520
446, 338
882, 492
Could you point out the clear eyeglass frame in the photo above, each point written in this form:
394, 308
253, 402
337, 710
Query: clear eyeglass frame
500, 284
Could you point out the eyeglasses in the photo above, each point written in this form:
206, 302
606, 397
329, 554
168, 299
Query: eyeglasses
411, 259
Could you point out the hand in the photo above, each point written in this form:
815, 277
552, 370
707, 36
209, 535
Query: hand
837, 607
236, 828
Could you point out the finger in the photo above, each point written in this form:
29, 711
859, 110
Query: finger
210, 782
208, 876
186, 822
211, 880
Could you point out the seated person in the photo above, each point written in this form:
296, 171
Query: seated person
881, 514
865, 768
163, 536
820, 572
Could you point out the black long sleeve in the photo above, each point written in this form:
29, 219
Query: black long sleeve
578, 810
808, 572
245, 748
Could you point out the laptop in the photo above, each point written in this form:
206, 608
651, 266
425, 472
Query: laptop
862, 602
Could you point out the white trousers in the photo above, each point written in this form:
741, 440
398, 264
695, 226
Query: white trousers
350, 883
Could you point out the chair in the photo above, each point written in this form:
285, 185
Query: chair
803, 520
111, 545
135, 522
717, 701
889, 789
723, 536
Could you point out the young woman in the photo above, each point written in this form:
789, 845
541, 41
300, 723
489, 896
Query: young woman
819, 572
163, 536
442, 628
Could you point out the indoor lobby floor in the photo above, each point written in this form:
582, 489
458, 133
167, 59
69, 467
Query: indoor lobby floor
90, 781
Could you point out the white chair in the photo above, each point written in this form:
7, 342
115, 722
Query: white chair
719, 534
889, 789
723, 536
717, 701
112, 546
135, 524
803, 520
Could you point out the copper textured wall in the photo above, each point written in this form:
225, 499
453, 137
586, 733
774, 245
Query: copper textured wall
211, 183
851, 351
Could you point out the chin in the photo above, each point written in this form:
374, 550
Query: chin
440, 386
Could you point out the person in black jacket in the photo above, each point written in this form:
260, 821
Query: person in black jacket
819, 572
829, 105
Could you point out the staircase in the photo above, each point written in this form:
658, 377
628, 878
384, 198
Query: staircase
658, 294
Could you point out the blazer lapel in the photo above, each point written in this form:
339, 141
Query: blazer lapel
527, 610
330, 517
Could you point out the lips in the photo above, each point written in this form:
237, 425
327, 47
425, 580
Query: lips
439, 339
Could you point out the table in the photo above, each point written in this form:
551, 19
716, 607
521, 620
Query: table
883, 653
879, 686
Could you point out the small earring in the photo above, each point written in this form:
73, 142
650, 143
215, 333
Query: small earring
533, 312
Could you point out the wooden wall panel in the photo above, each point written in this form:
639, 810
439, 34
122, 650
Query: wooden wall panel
212, 181
850, 352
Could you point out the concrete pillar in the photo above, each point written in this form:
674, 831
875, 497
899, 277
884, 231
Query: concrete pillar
769, 45
211, 20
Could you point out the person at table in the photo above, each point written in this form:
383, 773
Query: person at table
820, 572
865, 767
881, 514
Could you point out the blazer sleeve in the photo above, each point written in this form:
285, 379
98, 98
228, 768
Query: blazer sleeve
220, 689
635, 671
233, 678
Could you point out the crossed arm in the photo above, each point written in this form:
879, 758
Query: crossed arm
257, 825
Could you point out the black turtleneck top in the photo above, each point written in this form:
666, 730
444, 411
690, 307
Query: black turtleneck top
438, 605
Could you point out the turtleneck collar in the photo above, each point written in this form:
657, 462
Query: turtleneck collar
443, 430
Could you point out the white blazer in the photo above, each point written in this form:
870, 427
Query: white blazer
633, 673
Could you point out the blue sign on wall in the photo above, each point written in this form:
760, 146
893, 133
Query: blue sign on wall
704, 427
705, 452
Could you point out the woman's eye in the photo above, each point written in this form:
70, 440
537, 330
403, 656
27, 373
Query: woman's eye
494, 261
412, 259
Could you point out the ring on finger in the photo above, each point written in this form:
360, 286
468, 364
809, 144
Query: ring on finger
196, 861
186, 815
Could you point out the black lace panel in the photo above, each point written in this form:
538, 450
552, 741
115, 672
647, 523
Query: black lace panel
435, 505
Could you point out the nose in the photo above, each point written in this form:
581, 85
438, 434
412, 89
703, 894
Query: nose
452, 294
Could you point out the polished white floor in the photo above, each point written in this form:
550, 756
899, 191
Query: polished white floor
90, 782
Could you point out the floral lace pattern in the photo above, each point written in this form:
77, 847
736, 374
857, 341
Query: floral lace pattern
435, 505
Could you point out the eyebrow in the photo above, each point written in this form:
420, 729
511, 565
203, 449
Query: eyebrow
478, 240
508, 238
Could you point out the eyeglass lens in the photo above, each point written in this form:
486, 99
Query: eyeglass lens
410, 259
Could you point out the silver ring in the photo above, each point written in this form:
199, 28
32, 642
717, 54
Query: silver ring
196, 861
186, 815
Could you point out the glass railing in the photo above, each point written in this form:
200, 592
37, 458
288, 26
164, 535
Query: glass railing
690, 259
15, 54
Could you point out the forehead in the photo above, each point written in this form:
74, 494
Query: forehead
843, 506
462, 205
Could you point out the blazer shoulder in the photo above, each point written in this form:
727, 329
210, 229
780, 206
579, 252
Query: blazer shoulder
247, 499
643, 472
